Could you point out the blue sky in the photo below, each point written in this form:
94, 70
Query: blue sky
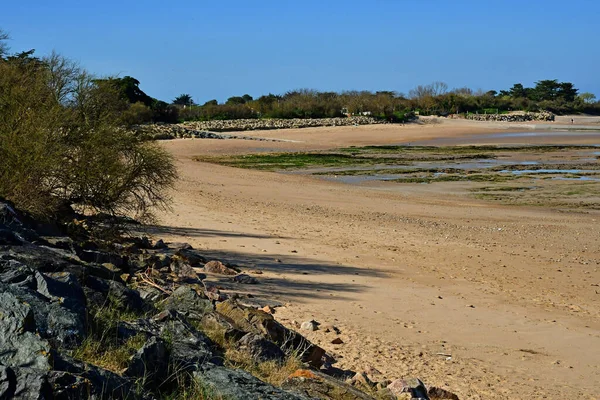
219, 49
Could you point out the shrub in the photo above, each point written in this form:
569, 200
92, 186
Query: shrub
73, 152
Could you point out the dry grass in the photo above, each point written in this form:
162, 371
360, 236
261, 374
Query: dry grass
272, 372
108, 354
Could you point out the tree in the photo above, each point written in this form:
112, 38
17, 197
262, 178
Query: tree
129, 88
517, 91
184, 100
587, 98
235, 100
213, 102
63, 76
4, 36
247, 98
74, 153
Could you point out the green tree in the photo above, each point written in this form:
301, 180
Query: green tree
184, 100
587, 98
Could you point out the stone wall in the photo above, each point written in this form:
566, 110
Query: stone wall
525, 117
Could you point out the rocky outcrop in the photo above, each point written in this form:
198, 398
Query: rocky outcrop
210, 129
159, 307
521, 117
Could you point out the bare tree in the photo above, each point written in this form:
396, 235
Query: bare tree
64, 74
4, 36
433, 89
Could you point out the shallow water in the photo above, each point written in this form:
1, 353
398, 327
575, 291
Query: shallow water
548, 171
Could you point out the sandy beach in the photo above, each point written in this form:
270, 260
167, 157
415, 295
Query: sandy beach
487, 300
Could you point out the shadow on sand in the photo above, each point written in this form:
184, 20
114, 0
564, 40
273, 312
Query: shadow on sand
287, 276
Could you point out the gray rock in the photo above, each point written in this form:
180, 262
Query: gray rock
249, 319
151, 362
240, 385
259, 348
28, 384
53, 322
320, 386
118, 292
19, 345
68, 386
189, 347
245, 279
189, 302
310, 325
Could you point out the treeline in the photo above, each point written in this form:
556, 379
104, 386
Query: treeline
434, 99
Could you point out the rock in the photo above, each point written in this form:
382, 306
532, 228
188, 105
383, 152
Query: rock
191, 256
412, 386
100, 257
189, 348
252, 320
60, 326
203, 129
118, 293
67, 386
268, 309
439, 393
183, 270
104, 384
217, 322
516, 117
151, 362
360, 379
382, 384
24, 383
245, 279
310, 325
189, 302
317, 385
19, 343
159, 244
217, 267
235, 384
337, 341
259, 348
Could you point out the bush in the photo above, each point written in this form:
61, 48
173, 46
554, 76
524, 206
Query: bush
58, 154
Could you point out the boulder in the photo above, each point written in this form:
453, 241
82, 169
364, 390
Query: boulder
117, 292
412, 386
189, 348
255, 321
235, 384
245, 279
259, 348
316, 385
151, 362
19, 343
217, 267
68, 386
24, 383
189, 302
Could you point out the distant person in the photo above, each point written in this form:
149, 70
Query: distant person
572, 121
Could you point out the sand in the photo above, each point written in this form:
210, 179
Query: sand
488, 301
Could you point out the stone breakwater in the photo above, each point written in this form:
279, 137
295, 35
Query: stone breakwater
541, 116
209, 129
84, 318
260, 124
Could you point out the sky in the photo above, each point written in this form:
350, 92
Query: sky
218, 49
